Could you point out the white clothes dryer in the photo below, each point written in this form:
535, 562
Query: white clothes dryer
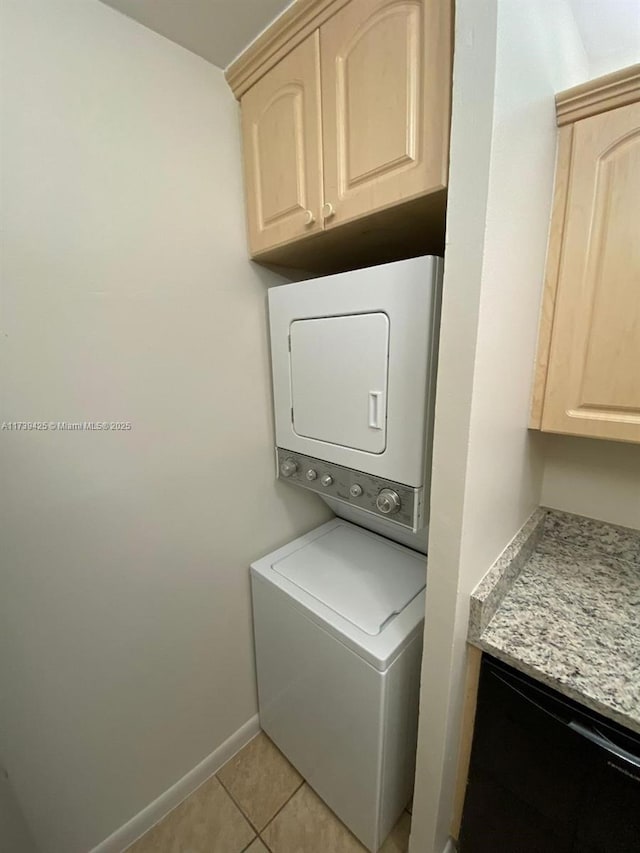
354, 360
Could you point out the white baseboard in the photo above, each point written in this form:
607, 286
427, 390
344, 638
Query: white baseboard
156, 810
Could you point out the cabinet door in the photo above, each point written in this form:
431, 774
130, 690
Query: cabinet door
385, 98
610, 821
281, 131
529, 770
593, 379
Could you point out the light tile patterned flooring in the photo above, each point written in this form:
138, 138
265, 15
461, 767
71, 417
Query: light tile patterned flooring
258, 803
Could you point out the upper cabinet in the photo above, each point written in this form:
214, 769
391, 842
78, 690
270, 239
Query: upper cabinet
588, 370
385, 107
281, 132
345, 114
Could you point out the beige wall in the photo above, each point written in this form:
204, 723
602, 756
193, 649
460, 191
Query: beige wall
125, 628
510, 59
600, 479
15, 836
474, 68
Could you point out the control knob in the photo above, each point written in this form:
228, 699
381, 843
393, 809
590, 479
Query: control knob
388, 501
326, 480
311, 474
288, 467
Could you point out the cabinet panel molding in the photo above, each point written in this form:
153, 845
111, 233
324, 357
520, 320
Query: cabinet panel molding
615, 287
282, 150
385, 95
278, 149
370, 141
595, 97
554, 252
291, 28
593, 379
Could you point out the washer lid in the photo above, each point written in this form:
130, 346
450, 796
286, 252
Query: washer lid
361, 577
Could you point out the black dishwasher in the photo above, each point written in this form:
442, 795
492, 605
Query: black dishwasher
546, 774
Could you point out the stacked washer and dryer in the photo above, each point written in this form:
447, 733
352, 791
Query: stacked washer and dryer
339, 613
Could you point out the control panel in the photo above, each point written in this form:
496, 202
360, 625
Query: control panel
384, 498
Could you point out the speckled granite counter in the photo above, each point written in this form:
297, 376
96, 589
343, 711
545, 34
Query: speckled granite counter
562, 604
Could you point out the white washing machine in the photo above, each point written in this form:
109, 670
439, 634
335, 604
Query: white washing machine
338, 620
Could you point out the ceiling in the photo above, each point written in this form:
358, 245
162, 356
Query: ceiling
217, 30
610, 32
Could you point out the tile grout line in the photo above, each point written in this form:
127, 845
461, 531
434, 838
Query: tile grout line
271, 820
182, 802
239, 807
248, 819
268, 849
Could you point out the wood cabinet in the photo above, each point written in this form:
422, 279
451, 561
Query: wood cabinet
383, 107
588, 370
283, 149
345, 114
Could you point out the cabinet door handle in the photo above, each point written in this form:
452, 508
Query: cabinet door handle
309, 218
328, 210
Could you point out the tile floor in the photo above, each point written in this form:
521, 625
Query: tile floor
258, 803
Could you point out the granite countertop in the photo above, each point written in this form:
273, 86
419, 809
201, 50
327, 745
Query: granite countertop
562, 604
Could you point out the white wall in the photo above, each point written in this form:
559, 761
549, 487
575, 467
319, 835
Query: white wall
510, 59
610, 33
125, 630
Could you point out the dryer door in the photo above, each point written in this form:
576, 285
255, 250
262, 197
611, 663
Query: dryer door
339, 375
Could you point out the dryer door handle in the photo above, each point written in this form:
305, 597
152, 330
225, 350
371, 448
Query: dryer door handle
375, 409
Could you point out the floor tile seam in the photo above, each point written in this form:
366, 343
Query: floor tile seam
269, 849
238, 806
271, 820
333, 814
240, 809
246, 816
244, 849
